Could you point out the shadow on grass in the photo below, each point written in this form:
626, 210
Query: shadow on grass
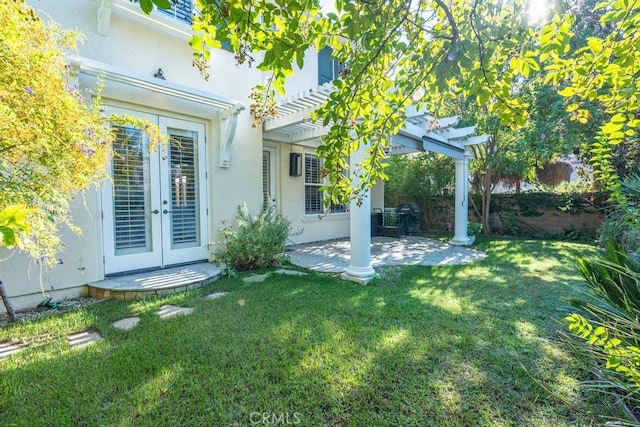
467, 345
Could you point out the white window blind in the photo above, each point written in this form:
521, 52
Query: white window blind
266, 179
181, 10
184, 188
132, 231
313, 180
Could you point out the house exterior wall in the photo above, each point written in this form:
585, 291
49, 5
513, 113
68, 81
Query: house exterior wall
311, 227
291, 202
139, 46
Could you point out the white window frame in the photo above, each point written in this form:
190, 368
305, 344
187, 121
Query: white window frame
343, 209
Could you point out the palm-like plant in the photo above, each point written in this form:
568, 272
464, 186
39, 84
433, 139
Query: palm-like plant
623, 223
607, 326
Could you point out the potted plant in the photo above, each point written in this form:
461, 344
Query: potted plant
473, 229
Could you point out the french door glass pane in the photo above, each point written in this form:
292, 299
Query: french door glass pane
183, 163
266, 179
132, 228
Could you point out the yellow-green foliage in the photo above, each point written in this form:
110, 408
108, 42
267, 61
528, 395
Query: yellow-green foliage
54, 138
13, 219
619, 356
605, 70
52, 143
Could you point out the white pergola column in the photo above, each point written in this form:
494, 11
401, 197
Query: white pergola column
360, 269
462, 202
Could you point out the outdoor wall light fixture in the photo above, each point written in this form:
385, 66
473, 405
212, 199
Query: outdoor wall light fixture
159, 74
295, 164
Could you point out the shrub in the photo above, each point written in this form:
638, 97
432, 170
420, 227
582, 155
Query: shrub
423, 179
255, 243
623, 223
607, 327
473, 228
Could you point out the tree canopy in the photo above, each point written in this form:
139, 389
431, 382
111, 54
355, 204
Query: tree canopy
398, 53
52, 143
428, 52
604, 71
54, 137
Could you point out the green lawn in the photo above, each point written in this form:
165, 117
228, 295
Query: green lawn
467, 345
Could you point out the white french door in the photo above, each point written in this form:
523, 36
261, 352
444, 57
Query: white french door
155, 209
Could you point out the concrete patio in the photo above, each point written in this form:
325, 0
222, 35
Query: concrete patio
333, 256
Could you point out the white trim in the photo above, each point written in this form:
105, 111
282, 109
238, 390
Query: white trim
124, 86
337, 216
104, 16
95, 70
155, 19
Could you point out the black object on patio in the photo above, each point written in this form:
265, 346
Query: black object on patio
403, 220
412, 217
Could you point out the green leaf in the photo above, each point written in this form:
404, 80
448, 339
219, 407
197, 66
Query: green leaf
619, 118
567, 92
595, 44
162, 4
8, 237
612, 127
146, 6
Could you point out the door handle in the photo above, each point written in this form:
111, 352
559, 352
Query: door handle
164, 211
155, 211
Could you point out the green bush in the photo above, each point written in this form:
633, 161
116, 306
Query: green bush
424, 179
623, 222
473, 228
254, 243
607, 326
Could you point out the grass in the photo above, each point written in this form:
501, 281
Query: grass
465, 345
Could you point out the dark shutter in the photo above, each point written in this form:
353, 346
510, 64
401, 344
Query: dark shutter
325, 66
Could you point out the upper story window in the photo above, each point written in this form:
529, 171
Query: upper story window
328, 68
181, 10
184, 11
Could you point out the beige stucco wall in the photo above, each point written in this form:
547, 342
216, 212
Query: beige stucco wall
142, 47
290, 201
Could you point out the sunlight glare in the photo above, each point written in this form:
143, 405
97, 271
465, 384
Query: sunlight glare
537, 11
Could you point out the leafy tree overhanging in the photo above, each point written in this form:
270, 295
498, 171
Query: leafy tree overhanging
401, 52
54, 137
398, 53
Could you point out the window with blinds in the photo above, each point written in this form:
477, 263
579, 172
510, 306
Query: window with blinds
184, 189
266, 179
181, 10
312, 183
132, 229
313, 180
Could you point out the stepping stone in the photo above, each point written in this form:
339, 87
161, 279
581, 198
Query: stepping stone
126, 323
290, 272
257, 278
7, 349
83, 339
215, 295
167, 311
